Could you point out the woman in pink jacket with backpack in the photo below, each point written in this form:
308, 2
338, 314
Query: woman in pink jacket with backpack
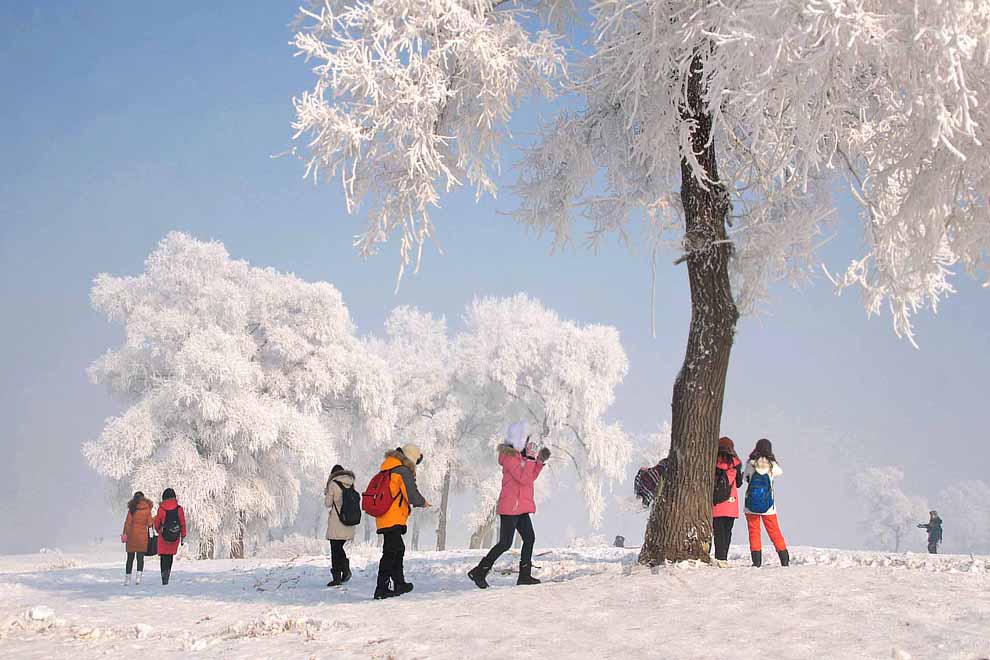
725, 511
516, 502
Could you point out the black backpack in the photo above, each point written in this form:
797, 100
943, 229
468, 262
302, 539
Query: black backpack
172, 529
723, 487
350, 506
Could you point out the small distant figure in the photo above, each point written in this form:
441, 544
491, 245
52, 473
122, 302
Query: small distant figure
934, 528
170, 523
620, 541
135, 535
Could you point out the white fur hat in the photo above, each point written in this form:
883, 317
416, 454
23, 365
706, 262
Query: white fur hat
516, 435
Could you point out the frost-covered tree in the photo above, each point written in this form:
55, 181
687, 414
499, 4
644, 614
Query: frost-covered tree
965, 511
236, 380
559, 376
888, 513
450, 421
722, 125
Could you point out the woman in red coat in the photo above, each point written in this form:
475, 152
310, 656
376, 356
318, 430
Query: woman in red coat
135, 534
170, 523
724, 514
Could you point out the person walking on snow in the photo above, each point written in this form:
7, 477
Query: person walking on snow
516, 503
725, 511
135, 535
761, 469
337, 532
170, 523
934, 528
401, 466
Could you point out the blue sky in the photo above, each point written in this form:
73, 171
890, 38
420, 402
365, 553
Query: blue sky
124, 121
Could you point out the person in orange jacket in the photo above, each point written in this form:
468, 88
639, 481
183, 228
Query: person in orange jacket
401, 464
135, 535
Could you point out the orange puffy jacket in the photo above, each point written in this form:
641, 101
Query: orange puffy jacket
404, 491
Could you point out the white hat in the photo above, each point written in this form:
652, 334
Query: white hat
516, 435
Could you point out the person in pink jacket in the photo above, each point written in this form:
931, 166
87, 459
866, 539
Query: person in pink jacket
725, 513
516, 502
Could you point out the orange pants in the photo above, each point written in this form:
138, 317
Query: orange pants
773, 529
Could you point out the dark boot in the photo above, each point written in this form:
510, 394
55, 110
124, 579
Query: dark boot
345, 572
757, 557
399, 581
479, 573
785, 557
382, 589
526, 575
336, 581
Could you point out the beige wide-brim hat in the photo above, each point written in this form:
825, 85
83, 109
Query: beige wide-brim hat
412, 452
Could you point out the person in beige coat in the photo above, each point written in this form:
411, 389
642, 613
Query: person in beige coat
337, 532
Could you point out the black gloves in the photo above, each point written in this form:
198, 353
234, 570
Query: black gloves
544, 454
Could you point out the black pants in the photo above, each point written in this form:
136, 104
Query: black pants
933, 548
166, 567
722, 528
393, 553
507, 528
130, 562
338, 558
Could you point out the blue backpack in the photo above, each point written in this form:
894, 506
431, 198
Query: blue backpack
759, 495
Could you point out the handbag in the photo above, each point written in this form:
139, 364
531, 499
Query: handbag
152, 544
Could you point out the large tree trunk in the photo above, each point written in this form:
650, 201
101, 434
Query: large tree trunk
680, 524
442, 514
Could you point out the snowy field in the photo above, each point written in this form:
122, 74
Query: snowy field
596, 603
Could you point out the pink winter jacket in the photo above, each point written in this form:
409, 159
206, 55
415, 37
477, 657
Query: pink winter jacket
518, 476
730, 507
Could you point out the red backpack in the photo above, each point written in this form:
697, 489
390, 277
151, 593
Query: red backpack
377, 499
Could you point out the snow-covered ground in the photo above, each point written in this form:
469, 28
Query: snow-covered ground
596, 603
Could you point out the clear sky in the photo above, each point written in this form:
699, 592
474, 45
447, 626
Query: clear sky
122, 121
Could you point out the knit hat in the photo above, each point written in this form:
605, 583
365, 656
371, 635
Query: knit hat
412, 452
515, 436
725, 444
336, 469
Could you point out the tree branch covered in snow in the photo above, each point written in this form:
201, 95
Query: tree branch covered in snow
412, 99
885, 93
